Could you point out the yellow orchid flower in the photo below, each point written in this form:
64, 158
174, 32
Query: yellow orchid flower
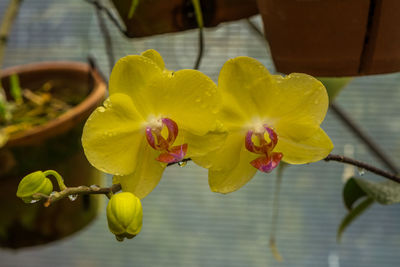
152, 117
269, 118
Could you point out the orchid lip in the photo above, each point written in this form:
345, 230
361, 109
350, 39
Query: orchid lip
270, 160
155, 139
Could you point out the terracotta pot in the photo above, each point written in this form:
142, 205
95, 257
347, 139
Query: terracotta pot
333, 37
55, 145
160, 16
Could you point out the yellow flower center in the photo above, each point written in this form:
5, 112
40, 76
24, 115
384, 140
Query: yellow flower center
262, 140
164, 143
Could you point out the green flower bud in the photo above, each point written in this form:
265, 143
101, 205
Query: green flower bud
34, 183
124, 215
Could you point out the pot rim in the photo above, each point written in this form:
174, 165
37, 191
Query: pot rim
70, 118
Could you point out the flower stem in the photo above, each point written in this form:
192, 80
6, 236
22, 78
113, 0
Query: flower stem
275, 212
363, 165
85, 190
364, 137
80, 190
58, 177
199, 19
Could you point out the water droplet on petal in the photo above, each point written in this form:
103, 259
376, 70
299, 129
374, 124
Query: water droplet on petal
182, 163
101, 109
95, 187
198, 99
361, 171
34, 201
208, 93
73, 197
110, 134
107, 103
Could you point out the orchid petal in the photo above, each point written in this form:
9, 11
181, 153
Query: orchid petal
189, 98
237, 79
147, 174
132, 75
231, 179
315, 148
301, 98
112, 135
155, 57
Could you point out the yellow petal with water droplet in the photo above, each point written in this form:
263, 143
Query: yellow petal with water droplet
188, 97
155, 56
112, 136
132, 75
238, 78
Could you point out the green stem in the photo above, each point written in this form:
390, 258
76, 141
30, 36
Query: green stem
58, 177
275, 214
199, 19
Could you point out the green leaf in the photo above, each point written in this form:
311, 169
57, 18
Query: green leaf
198, 13
132, 9
15, 89
352, 215
351, 193
4, 110
384, 193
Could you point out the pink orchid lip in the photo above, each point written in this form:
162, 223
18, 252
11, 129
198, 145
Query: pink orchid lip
155, 139
270, 160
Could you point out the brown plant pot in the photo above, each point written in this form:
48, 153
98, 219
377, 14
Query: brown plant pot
333, 37
55, 145
160, 16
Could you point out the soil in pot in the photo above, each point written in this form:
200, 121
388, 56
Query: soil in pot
54, 144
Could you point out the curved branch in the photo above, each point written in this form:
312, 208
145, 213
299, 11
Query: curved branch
363, 165
80, 190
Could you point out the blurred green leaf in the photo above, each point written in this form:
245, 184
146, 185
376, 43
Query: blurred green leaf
132, 9
352, 215
351, 193
3, 138
15, 89
334, 85
4, 112
198, 13
384, 193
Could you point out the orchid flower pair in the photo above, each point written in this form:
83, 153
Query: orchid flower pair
251, 121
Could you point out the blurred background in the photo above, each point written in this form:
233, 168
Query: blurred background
185, 224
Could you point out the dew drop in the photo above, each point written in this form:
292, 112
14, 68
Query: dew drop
107, 103
73, 197
110, 134
361, 171
208, 93
34, 201
95, 187
182, 163
101, 109
198, 99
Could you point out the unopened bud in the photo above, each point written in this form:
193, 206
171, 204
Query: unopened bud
124, 215
32, 184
